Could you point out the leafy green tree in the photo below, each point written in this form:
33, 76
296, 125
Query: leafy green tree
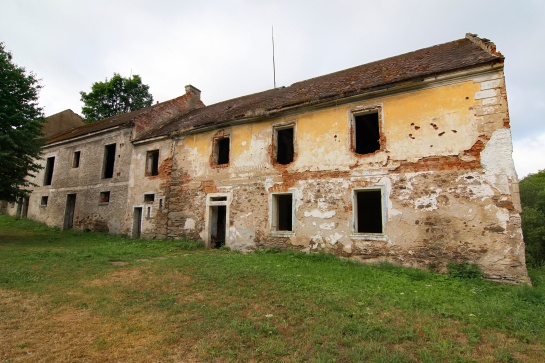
532, 196
21, 123
115, 96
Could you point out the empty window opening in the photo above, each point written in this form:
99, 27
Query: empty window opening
218, 218
369, 211
75, 161
284, 146
161, 204
104, 197
282, 212
148, 214
218, 199
222, 151
43, 201
109, 160
152, 163
367, 133
149, 198
49, 166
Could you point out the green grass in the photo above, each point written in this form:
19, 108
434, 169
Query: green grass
144, 300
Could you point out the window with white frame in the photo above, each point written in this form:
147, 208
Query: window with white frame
282, 212
368, 211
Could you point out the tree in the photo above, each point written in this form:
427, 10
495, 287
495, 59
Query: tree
115, 96
21, 123
532, 196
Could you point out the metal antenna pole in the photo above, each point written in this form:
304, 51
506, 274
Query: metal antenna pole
274, 66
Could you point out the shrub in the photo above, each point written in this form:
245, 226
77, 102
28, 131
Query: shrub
464, 270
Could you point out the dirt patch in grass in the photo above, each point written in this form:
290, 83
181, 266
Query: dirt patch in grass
137, 277
31, 330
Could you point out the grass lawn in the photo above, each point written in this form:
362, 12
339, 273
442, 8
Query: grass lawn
85, 297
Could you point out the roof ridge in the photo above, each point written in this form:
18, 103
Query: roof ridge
485, 44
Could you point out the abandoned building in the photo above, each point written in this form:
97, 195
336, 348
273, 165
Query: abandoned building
406, 159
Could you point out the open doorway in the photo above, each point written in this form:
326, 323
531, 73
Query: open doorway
137, 222
69, 211
217, 222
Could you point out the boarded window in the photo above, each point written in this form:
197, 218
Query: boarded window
104, 197
284, 145
221, 151
152, 163
366, 133
282, 213
49, 166
75, 160
109, 161
368, 218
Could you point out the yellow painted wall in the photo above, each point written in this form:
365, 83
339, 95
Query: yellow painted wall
430, 122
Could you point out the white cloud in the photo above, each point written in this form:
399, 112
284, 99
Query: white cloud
529, 155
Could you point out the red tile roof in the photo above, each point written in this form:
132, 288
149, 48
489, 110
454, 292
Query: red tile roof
463, 53
123, 119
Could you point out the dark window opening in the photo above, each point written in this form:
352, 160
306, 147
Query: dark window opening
284, 212
104, 197
367, 133
222, 151
284, 146
218, 199
148, 215
49, 166
43, 201
75, 161
160, 203
109, 160
152, 163
369, 211
149, 198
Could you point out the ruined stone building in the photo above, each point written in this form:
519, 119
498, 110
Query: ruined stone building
407, 159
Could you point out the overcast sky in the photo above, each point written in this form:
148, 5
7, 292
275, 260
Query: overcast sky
224, 47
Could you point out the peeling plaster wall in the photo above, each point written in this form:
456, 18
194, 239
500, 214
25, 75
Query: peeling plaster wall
154, 219
444, 167
86, 182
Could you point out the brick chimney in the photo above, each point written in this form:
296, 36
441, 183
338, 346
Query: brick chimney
194, 97
167, 111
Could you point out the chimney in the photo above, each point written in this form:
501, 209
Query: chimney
194, 96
